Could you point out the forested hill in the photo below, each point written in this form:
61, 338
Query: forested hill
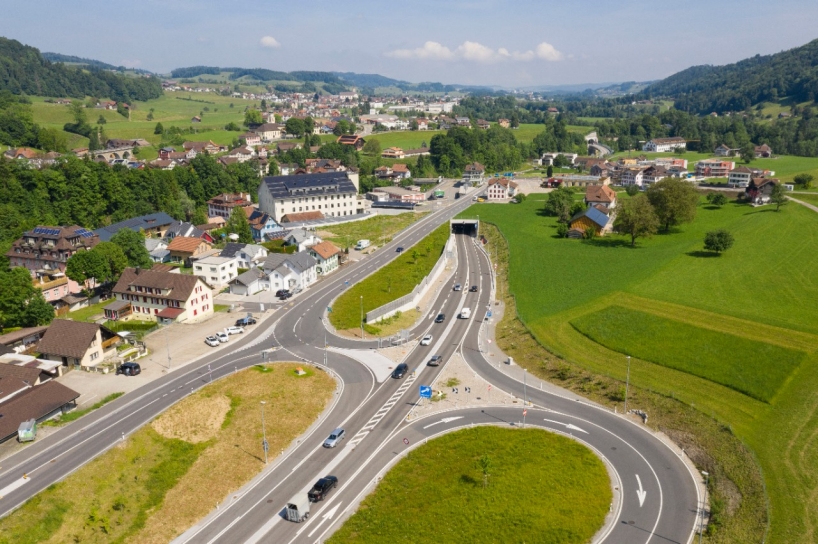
23, 70
736, 87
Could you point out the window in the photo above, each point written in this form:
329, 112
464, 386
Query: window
94, 356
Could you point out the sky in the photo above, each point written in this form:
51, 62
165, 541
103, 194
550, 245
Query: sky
480, 42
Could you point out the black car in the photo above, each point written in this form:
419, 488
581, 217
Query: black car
281, 292
129, 369
434, 361
321, 488
440, 318
400, 371
473, 289
244, 321
285, 295
399, 249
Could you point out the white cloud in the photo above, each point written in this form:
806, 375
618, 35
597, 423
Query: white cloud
269, 41
476, 52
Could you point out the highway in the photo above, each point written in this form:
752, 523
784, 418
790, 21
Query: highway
659, 495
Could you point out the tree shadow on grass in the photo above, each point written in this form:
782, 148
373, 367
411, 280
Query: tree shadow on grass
609, 242
765, 210
468, 480
712, 207
703, 254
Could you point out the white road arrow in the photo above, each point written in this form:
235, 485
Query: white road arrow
324, 518
567, 426
444, 420
640, 492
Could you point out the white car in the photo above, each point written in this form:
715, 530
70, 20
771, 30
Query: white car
426, 340
212, 341
222, 336
234, 330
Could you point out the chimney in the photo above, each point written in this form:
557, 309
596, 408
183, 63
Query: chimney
138, 269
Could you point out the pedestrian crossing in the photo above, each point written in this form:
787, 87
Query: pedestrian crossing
380, 414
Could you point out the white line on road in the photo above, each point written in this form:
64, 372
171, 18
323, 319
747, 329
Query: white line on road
444, 420
567, 425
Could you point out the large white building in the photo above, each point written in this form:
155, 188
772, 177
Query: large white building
333, 194
216, 271
664, 145
153, 295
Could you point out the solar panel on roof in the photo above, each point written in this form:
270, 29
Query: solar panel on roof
84, 233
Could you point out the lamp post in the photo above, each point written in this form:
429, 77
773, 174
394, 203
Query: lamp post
627, 384
264, 444
362, 317
701, 520
167, 345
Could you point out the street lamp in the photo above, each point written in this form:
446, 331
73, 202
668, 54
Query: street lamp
264, 444
362, 317
627, 384
701, 520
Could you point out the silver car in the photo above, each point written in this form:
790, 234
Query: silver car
334, 438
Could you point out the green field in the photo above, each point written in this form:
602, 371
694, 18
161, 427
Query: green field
760, 291
392, 281
405, 139
438, 490
755, 368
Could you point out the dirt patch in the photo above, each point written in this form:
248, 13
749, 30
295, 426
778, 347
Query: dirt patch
194, 421
325, 234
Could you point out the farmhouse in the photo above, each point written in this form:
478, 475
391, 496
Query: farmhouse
157, 295
183, 248
351, 139
327, 256
600, 195
501, 189
473, 173
663, 145
77, 343
593, 217
760, 189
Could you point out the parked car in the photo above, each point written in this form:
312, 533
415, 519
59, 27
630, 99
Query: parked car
129, 369
321, 488
285, 296
440, 318
234, 330
473, 289
400, 371
334, 438
222, 336
244, 321
212, 341
426, 340
281, 292
435, 360
458, 287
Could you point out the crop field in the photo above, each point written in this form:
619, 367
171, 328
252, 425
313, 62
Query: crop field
693, 307
394, 280
438, 489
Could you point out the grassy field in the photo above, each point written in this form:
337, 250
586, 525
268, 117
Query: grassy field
379, 229
405, 139
392, 281
168, 475
438, 490
757, 291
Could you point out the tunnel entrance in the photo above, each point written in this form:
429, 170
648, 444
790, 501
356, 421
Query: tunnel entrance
465, 226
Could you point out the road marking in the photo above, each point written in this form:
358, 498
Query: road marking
324, 518
215, 538
567, 425
641, 493
444, 420
11, 487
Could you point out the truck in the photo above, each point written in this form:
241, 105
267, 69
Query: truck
298, 509
362, 244
465, 313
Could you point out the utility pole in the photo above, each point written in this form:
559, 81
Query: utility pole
167, 345
701, 520
627, 384
264, 444
362, 317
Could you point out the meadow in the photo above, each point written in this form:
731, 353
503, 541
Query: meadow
378, 229
390, 282
756, 292
438, 490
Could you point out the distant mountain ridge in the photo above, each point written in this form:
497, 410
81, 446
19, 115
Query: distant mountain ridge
737, 86
91, 63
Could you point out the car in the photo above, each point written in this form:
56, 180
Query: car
473, 289
399, 249
435, 360
129, 369
426, 340
440, 318
321, 488
234, 330
458, 287
282, 292
222, 336
212, 341
244, 321
400, 371
334, 438
285, 296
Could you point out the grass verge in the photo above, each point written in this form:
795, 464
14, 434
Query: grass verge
377, 229
74, 415
439, 491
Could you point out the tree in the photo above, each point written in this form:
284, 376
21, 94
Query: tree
485, 467
372, 147
675, 201
559, 204
263, 105
636, 218
37, 312
748, 152
718, 240
295, 127
149, 117
159, 129
778, 196
519, 198
549, 171
413, 124
22, 304
133, 246
237, 224
272, 167
78, 113
102, 120
562, 230
804, 180
252, 118
86, 265
114, 259
632, 190
309, 125
717, 199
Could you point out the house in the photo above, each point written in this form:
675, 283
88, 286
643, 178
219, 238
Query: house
76, 343
222, 205
261, 224
600, 195
327, 256
182, 228
44, 250
250, 282
501, 189
38, 403
16, 379
473, 173
664, 145
416, 152
632, 175
23, 153
483, 124
196, 119
462, 121
33, 370
182, 248
547, 159
283, 147
247, 255
654, 174
157, 249
204, 147
741, 176
714, 168
269, 131
351, 139
505, 123
725, 151
54, 286
763, 151
251, 139
302, 217
22, 340
591, 217
287, 168
216, 271
392, 153
290, 271
760, 189
158, 295
241, 154
401, 171
399, 194
423, 124
330, 193
154, 225
602, 170
301, 238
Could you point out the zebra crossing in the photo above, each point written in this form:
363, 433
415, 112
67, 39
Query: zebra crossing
380, 414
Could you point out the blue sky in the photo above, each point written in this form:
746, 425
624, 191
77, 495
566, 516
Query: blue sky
492, 42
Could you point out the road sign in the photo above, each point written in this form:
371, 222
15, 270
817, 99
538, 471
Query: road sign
488, 314
406, 441
426, 391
